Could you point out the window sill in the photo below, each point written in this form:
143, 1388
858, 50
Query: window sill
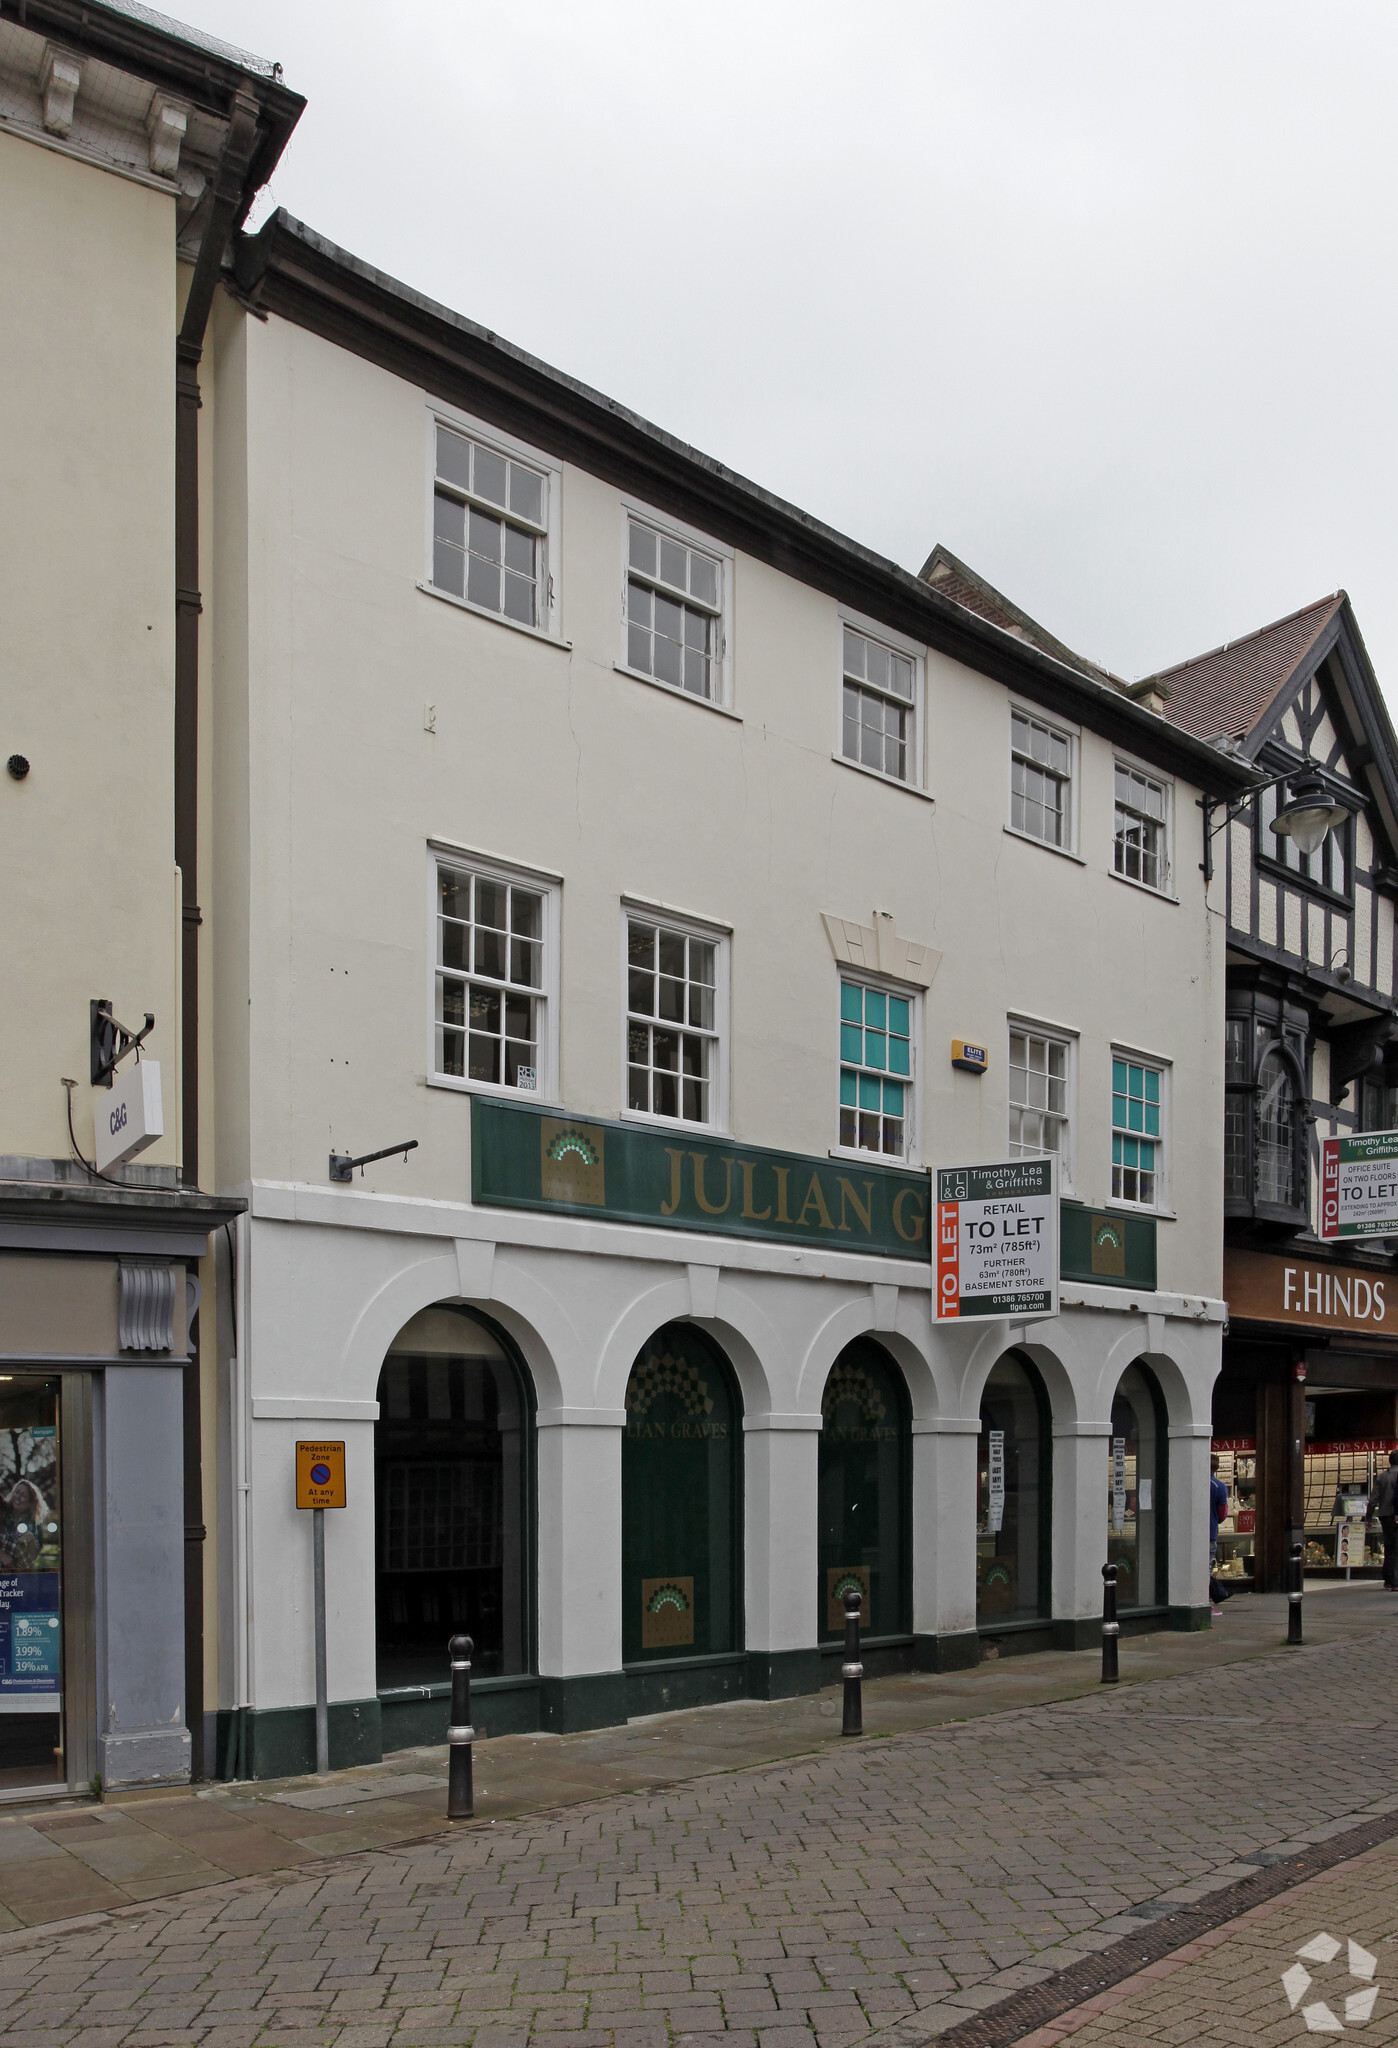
1160, 895
478, 611
671, 690
1115, 1207
1028, 839
856, 1157
675, 1123
876, 775
456, 1085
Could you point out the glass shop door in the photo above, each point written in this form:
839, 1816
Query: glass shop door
32, 1734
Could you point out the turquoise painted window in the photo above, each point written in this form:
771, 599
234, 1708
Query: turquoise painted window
1136, 1132
875, 1069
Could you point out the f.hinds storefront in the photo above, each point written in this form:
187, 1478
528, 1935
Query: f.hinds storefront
1305, 1411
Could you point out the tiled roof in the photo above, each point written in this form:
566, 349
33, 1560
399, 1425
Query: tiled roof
1221, 695
963, 586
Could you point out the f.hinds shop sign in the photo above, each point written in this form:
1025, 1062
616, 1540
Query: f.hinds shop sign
1263, 1289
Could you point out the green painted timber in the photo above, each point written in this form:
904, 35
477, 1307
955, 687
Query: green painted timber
1106, 1247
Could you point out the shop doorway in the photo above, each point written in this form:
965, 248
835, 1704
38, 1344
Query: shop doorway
865, 1514
681, 1502
451, 1502
1013, 1508
33, 1749
1136, 1490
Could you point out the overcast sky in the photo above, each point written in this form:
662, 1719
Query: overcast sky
1100, 296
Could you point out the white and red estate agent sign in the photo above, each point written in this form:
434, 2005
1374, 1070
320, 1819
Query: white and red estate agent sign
1359, 1185
997, 1240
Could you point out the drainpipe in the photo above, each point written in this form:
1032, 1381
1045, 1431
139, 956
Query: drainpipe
229, 183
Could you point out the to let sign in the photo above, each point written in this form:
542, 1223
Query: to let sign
320, 1475
1359, 1185
997, 1240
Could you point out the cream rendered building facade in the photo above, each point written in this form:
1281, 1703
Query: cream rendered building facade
127, 153
387, 757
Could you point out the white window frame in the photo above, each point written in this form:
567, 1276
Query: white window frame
720, 937
1161, 1206
445, 853
456, 422
1073, 735
913, 650
690, 537
912, 1123
1058, 1034
1133, 766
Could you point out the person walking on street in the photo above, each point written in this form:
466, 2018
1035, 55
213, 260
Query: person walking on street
1218, 1512
1385, 1505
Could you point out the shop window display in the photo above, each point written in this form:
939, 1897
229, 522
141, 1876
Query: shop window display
1134, 1481
1237, 1532
450, 1482
1012, 1497
681, 1502
31, 1585
864, 1464
1340, 1476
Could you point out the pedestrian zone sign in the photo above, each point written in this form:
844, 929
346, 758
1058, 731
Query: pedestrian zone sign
320, 1475
997, 1240
1359, 1185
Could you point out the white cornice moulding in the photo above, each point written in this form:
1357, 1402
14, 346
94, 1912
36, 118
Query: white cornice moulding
311, 1408
60, 78
879, 949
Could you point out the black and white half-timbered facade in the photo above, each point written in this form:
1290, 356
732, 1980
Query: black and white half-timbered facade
1306, 1406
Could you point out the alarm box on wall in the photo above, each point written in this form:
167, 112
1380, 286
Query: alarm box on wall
971, 1059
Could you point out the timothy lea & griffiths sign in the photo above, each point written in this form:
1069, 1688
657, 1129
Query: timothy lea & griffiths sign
997, 1240
1359, 1185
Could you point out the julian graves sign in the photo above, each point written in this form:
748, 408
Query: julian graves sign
525, 1158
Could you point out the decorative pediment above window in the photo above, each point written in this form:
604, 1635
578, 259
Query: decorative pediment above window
878, 949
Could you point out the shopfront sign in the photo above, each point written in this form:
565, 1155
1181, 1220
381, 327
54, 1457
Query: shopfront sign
1309, 1293
997, 1240
1359, 1186
526, 1158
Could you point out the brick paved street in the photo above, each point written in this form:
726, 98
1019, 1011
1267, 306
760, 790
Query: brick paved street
1226, 1990
819, 1899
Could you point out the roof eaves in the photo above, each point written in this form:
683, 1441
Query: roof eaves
291, 269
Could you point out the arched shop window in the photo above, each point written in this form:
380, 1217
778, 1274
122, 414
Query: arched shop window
865, 1469
451, 1487
681, 1501
1136, 1491
1012, 1496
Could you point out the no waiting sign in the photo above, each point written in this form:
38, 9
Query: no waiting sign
1359, 1185
997, 1240
320, 1475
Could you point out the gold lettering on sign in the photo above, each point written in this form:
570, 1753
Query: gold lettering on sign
676, 1160
782, 1173
712, 1208
1272, 1290
747, 1169
816, 1194
863, 1210
913, 1236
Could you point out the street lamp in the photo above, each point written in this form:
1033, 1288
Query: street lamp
1309, 813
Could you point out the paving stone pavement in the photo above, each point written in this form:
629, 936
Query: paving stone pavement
1226, 1990
891, 1886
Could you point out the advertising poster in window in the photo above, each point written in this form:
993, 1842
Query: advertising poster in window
997, 1240
1118, 1484
997, 1481
30, 1635
1359, 1185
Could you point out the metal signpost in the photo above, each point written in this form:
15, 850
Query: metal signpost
1359, 1186
997, 1240
320, 1484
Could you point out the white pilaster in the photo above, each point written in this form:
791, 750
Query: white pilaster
1189, 1515
1079, 1518
579, 1540
944, 1525
780, 1457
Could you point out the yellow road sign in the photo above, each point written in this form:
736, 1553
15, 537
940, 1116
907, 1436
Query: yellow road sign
320, 1475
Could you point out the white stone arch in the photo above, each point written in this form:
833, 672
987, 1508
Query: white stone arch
533, 1318
1052, 1367
1183, 1390
744, 1334
859, 1318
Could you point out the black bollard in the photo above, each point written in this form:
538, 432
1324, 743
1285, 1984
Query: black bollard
461, 1796
1111, 1628
852, 1671
1297, 1575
